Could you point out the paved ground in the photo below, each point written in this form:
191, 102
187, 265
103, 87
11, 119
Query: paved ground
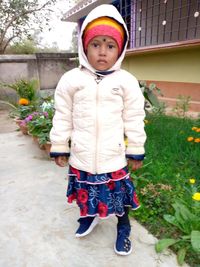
37, 225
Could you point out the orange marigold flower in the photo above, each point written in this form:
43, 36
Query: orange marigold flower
194, 128
197, 140
198, 130
190, 139
23, 101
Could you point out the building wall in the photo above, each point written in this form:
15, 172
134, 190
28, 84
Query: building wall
52, 66
181, 65
47, 68
176, 72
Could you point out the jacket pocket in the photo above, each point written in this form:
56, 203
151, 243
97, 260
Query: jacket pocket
116, 149
120, 148
77, 148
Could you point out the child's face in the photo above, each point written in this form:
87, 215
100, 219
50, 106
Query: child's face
102, 52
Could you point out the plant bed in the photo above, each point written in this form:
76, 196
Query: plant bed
167, 183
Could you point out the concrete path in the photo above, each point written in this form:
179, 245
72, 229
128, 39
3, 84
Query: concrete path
37, 225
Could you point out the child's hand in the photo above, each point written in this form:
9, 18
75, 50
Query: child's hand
134, 164
61, 161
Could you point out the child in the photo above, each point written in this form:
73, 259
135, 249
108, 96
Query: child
96, 105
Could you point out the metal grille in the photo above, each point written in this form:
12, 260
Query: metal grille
153, 22
125, 8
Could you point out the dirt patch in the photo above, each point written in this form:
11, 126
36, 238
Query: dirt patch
7, 124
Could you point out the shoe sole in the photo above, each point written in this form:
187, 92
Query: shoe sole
122, 253
89, 230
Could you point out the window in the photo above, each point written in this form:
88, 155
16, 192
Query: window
154, 22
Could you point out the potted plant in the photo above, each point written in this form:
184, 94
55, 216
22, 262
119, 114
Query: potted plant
40, 123
28, 97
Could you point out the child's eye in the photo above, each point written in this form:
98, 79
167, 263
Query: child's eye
95, 45
111, 46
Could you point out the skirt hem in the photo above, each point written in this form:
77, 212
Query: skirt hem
109, 215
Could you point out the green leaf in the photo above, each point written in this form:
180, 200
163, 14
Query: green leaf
152, 99
184, 211
164, 243
152, 86
142, 89
142, 83
181, 223
184, 217
186, 237
171, 219
7, 103
195, 240
181, 255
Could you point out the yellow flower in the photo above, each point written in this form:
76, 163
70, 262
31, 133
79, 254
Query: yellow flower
197, 140
198, 130
196, 196
194, 128
190, 138
126, 141
192, 181
23, 101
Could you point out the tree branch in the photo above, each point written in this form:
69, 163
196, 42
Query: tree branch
21, 15
7, 43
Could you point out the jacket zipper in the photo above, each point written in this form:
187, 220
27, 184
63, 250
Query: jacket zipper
98, 80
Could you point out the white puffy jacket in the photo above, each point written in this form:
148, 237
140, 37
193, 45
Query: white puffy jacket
95, 111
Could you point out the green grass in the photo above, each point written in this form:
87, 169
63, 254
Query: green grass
169, 164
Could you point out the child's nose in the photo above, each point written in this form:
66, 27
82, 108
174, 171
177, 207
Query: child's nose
102, 50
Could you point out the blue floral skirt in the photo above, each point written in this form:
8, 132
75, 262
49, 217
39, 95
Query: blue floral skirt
101, 194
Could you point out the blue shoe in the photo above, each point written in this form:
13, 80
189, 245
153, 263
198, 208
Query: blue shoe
123, 244
86, 226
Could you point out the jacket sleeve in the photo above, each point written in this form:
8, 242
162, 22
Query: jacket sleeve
62, 120
133, 117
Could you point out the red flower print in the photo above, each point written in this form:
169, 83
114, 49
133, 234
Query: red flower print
84, 210
135, 199
82, 196
102, 209
71, 197
111, 185
118, 174
75, 171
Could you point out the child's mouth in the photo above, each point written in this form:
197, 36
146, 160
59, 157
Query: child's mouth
102, 61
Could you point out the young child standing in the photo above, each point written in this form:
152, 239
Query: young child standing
97, 105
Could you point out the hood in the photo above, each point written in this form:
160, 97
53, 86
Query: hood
101, 11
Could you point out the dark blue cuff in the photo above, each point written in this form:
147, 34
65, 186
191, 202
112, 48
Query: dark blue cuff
57, 154
135, 157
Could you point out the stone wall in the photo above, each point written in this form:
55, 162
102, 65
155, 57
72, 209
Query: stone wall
47, 68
